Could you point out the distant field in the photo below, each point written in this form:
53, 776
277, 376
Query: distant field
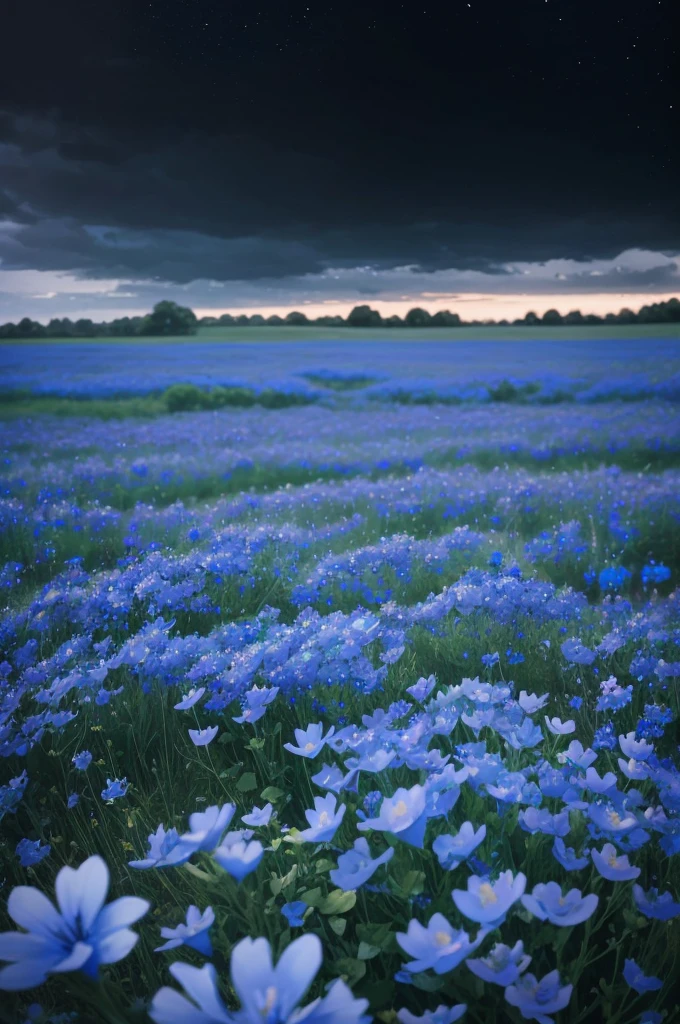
353, 334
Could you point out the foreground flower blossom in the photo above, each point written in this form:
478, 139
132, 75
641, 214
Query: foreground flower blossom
202, 737
547, 903
404, 815
268, 994
80, 936
437, 946
486, 902
452, 850
502, 966
355, 867
239, 858
662, 907
638, 980
324, 821
613, 867
310, 741
536, 999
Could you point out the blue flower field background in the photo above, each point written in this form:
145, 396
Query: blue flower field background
363, 708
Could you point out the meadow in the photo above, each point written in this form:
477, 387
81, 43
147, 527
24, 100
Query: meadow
348, 676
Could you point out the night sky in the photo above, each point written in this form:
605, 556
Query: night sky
266, 155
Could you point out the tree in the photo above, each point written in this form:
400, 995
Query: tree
296, 319
531, 319
364, 316
393, 321
169, 318
551, 318
275, 320
444, 318
574, 318
417, 317
226, 320
256, 319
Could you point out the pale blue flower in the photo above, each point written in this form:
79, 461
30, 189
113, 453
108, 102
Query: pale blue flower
567, 856
73, 800
613, 867
442, 1015
240, 858
191, 698
268, 994
438, 946
536, 999
259, 817
576, 756
639, 750
202, 737
207, 827
547, 903
82, 760
355, 867
324, 820
80, 936
661, 908
310, 741
530, 703
537, 819
486, 902
559, 728
637, 979
193, 934
502, 966
423, 688
165, 850
404, 815
452, 850
115, 788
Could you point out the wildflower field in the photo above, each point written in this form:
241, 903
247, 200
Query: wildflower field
359, 703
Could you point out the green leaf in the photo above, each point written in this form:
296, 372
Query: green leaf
367, 952
427, 984
246, 783
413, 883
271, 794
313, 897
353, 970
197, 873
256, 744
338, 924
323, 864
338, 902
275, 885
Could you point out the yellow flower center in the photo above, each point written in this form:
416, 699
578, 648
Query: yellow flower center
614, 818
309, 746
270, 997
612, 860
400, 809
486, 894
442, 938
324, 818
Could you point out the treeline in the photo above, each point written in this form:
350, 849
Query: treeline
168, 318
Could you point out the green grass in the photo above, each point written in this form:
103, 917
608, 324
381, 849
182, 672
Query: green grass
397, 334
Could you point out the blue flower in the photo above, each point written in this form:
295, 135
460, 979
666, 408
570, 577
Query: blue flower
267, 993
191, 698
193, 934
613, 577
637, 980
442, 1015
82, 760
661, 908
530, 703
486, 902
115, 788
559, 728
439, 946
576, 702
655, 574
404, 815
258, 817
256, 702
72, 801
639, 750
502, 966
310, 741
547, 903
611, 866
452, 850
165, 850
536, 999
79, 936
567, 856
202, 737
239, 858
207, 827
324, 821
31, 853
536, 819
294, 913
355, 867
423, 688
